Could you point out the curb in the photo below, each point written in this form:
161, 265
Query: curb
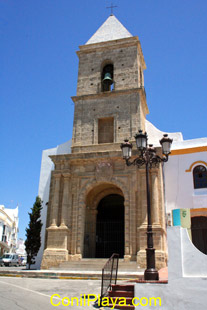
46, 275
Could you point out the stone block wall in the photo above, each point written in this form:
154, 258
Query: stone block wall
128, 110
87, 179
125, 57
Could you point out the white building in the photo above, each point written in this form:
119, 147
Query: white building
8, 229
21, 247
186, 188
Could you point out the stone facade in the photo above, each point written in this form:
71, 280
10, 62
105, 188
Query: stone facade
94, 170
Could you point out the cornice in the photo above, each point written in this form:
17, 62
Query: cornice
7, 217
92, 156
66, 175
90, 48
56, 174
113, 44
114, 93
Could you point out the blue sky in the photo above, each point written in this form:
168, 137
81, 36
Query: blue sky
39, 67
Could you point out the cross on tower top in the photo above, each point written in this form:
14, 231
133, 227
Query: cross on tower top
111, 7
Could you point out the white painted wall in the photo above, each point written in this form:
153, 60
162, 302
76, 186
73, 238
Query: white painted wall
155, 135
179, 188
194, 262
183, 292
44, 188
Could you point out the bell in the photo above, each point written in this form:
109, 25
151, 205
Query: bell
107, 80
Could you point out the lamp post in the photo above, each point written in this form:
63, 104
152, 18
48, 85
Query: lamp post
149, 158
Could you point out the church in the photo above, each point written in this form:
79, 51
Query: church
93, 204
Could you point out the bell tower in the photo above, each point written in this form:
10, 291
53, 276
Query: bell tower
97, 206
110, 104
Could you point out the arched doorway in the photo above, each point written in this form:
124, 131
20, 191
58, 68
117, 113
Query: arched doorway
104, 222
199, 232
110, 226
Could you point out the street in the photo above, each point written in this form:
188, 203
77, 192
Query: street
35, 294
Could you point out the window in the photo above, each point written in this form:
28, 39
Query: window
106, 130
200, 177
107, 77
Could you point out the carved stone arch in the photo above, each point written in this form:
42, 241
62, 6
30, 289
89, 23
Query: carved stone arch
93, 183
85, 188
106, 192
94, 227
91, 193
105, 63
123, 186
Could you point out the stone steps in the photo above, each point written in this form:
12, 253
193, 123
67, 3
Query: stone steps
121, 294
122, 287
118, 292
95, 265
92, 268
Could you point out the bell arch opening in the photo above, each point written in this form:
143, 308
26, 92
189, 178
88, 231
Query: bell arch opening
104, 222
107, 76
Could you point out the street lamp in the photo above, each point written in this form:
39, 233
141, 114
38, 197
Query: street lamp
149, 158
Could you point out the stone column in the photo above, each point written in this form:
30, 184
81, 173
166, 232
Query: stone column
65, 201
74, 224
155, 197
141, 254
55, 201
143, 197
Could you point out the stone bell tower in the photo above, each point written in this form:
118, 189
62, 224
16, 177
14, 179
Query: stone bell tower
97, 205
110, 103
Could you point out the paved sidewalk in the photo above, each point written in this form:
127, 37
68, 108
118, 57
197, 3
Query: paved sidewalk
64, 274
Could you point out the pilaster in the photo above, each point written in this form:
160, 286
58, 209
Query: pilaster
65, 201
55, 202
155, 197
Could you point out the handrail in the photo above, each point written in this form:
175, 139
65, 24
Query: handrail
109, 274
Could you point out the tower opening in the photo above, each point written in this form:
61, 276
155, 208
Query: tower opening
107, 78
